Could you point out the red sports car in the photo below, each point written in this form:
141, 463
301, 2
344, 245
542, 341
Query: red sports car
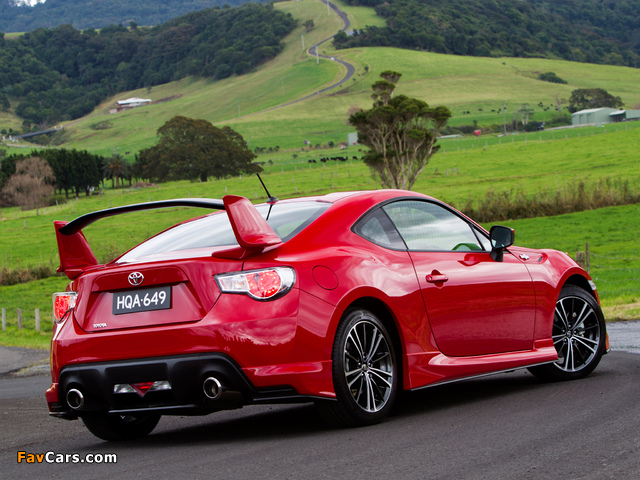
341, 299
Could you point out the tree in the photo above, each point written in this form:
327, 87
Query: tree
308, 25
196, 150
116, 168
524, 114
400, 132
31, 185
586, 98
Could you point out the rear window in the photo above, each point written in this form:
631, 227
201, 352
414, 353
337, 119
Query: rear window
193, 238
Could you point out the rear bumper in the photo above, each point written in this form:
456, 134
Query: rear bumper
184, 374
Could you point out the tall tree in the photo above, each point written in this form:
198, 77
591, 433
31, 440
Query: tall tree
196, 150
400, 132
116, 168
586, 98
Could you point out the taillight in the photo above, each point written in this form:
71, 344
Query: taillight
63, 303
264, 284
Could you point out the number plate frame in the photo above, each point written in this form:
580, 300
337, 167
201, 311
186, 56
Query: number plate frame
142, 300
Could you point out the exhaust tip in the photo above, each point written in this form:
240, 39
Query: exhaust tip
75, 399
212, 388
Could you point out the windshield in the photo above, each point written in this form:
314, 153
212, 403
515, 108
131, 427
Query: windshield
197, 237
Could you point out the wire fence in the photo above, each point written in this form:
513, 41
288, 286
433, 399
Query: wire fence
615, 275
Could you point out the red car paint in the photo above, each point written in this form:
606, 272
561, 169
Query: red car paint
457, 314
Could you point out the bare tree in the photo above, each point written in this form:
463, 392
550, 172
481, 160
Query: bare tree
31, 185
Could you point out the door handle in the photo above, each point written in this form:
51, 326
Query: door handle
437, 278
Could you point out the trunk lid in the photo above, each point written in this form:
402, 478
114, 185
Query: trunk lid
148, 295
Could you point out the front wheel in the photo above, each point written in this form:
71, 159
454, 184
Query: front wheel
579, 335
364, 372
120, 427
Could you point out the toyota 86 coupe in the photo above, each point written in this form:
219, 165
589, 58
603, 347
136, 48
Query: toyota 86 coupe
342, 300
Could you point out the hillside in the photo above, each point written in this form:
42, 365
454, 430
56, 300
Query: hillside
63, 73
98, 13
475, 85
589, 31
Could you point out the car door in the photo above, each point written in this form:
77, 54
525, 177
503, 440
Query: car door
475, 305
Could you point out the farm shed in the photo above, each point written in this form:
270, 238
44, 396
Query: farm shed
131, 103
594, 116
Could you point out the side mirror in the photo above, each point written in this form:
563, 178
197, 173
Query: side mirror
501, 238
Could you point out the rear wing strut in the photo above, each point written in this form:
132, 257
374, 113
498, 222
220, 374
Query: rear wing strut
252, 232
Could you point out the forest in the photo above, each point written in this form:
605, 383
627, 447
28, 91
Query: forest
63, 73
592, 31
97, 13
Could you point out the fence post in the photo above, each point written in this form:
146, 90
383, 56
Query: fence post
4, 319
37, 319
19, 319
580, 259
586, 253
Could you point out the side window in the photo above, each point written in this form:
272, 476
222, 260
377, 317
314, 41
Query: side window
486, 243
377, 228
427, 226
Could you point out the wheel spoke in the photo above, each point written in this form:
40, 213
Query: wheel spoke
369, 393
380, 374
589, 344
562, 315
582, 317
355, 341
568, 356
357, 373
375, 343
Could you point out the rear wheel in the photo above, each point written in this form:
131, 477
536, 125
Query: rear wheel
579, 335
364, 372
120, 427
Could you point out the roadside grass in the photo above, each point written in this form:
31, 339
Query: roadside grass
612, 235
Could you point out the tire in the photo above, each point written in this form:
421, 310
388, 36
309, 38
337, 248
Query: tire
365, 372
579, 335
120, 427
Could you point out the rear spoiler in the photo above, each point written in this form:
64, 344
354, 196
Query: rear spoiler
252, 232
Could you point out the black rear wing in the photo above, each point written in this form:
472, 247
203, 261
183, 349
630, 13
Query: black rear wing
79, 223
252, 231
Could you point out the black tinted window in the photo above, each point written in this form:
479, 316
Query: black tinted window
286, 219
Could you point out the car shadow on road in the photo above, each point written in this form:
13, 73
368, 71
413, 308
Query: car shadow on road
278, 421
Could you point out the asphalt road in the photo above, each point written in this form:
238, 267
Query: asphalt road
509, 426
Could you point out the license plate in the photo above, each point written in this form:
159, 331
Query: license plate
145, 300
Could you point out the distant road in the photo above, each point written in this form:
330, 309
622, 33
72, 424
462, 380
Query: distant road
313, 51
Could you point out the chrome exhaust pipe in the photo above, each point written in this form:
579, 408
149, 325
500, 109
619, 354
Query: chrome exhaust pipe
75, 399
212, 388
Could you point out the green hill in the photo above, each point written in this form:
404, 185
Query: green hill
590, 31
474, 88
